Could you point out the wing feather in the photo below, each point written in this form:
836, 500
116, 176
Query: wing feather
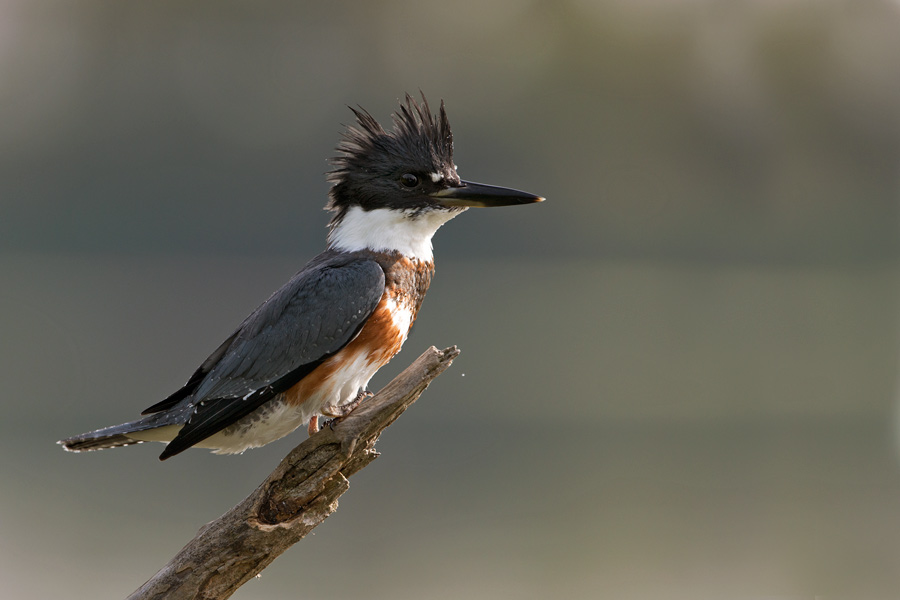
308, 320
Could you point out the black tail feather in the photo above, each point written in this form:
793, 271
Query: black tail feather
86, 442
118, 435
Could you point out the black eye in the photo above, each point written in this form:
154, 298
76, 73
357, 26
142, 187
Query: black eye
409, 180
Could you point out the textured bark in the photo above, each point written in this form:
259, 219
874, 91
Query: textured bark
299, 494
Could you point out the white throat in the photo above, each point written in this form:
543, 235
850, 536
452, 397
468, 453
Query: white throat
385, 229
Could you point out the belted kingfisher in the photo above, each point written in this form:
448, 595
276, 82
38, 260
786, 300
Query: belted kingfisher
312, 347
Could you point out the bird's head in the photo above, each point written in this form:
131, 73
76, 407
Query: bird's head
409, 168
406, 173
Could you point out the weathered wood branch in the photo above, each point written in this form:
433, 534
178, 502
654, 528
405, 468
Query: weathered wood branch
299, 494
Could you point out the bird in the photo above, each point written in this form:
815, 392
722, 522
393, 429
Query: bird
309, 351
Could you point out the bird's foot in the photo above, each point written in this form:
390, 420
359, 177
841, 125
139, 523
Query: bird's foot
339, 412
333, 410
313, 425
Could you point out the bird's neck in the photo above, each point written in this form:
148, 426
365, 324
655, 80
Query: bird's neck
388, 230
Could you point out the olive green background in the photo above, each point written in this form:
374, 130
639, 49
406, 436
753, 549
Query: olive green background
678, 375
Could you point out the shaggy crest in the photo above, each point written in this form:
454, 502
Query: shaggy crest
420, 143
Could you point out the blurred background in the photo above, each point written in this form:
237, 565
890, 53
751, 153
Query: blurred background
678, 375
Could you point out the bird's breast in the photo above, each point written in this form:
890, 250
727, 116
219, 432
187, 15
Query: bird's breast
339, 378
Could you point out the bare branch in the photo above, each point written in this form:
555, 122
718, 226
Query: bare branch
299, 494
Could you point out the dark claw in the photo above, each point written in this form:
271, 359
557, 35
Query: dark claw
346, 409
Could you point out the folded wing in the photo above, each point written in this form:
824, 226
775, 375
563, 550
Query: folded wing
308, 320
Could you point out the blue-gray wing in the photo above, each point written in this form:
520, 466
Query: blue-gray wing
312, 317
316, 314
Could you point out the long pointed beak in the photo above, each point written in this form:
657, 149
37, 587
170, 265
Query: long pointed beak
468, 193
